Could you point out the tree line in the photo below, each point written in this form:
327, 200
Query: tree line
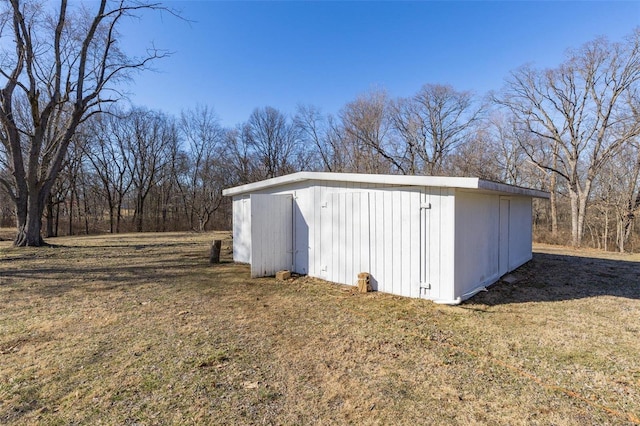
90, 165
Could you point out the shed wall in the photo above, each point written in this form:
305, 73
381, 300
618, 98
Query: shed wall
477, 235
386, 231
520, 232
343, 228
436, 243
375, 231
481, 240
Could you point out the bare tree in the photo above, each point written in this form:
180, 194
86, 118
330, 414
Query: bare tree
477, 157
367, 136
273, 139
204, 177
73, 174
165, 191
433, 123
241, 163
509, 155
106, 150
582, 113
57, 197
60, 67
618, 190
319, 132
327, 136
150, 135
629, 204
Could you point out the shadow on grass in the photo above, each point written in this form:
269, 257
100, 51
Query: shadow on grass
51, 281
558, 277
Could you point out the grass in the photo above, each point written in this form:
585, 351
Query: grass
140, 329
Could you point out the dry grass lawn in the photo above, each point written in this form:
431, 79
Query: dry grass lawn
140, 329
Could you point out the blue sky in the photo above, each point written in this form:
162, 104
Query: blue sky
236, 56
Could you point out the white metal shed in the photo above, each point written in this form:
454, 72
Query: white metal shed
439, 238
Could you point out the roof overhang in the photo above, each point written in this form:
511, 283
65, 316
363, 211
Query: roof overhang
390, 180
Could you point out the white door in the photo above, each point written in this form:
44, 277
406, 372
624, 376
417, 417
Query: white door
271, 234
345, 241
503, 238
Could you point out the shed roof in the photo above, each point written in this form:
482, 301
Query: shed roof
470, 183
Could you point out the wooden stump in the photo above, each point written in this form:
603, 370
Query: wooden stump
215, 251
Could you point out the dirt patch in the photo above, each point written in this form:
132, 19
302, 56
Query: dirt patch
141, 329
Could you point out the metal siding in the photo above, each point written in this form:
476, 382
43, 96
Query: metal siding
347, 207
377, 238
241, 210
395, 236
372, 231
410, 218
436, 261
424, 244
361, 234
395, 242
315, 240
432, 267
493, 237
520, 232
446, 245
333, 268
388, 228
345, 231
477, 248
271, 234
503, 237
324, 254
301, 234
414, 245
382, 230
303, 211
434, 257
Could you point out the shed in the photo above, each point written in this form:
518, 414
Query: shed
432, 237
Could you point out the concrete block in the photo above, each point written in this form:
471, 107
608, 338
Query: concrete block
364, 282
283, 275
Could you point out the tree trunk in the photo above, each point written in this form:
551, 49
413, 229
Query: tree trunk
86, 218
111, 218
628, 228
30, 223
87, 210
625, 227
55, 232
575, 234
583, 198
605, 236
620, 234
118, 215
71, 213
554, 206
164, 218
49, 216
138, 215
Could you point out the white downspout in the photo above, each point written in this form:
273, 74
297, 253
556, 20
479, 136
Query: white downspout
455, 301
